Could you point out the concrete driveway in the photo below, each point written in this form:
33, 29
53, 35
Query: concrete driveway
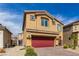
14, 51
54, 51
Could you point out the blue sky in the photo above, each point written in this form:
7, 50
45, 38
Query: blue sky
11, 15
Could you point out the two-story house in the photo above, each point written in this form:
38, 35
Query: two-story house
20, 39
69, 29
5, 37
41, 29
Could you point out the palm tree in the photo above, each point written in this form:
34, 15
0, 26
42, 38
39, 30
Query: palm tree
74, 37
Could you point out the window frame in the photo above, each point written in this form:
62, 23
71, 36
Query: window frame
32, 17
59, 27
44, 22
75, 27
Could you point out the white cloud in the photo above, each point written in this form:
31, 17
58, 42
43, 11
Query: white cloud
60, 17
66, 20
7, 19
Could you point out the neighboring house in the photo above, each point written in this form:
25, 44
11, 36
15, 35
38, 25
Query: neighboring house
72, 28
20, 39
40, 29
14, 41
5, 37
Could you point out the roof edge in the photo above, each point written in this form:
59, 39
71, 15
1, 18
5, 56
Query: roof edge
25, 11
71, 23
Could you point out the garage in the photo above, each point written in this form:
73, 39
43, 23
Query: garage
40, 41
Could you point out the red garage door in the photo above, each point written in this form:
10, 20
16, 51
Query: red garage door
38, 41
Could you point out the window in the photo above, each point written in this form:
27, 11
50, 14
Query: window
75, 27
32, 17
59, 28
44, 22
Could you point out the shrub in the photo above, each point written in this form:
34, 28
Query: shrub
65, 46
70, 46
73, 47
30, 51
2, 50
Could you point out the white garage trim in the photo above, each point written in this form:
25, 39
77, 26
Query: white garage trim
1, 39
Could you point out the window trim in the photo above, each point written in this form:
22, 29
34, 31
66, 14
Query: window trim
43, 22
59, 27
31, 17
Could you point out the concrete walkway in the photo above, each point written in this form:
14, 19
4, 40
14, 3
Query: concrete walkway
14, 51
75, 51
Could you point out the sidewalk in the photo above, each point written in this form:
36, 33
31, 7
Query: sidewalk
72, 50
15, 51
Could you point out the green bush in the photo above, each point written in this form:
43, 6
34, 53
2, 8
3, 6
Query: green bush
30, 51
70, 46
73, 47
65, 46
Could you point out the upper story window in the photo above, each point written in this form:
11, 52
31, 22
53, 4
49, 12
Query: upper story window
32, 17
76, 27
44, 22
59, 27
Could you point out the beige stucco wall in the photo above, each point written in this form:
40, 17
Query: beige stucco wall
78, 39
78, 36
7, 38
75, 29
29, 24
67, 34
37, 23
1, 39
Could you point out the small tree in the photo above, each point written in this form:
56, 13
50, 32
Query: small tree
74, 38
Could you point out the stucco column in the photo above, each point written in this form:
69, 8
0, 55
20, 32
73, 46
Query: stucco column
28, 40
55, 42
61, 41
